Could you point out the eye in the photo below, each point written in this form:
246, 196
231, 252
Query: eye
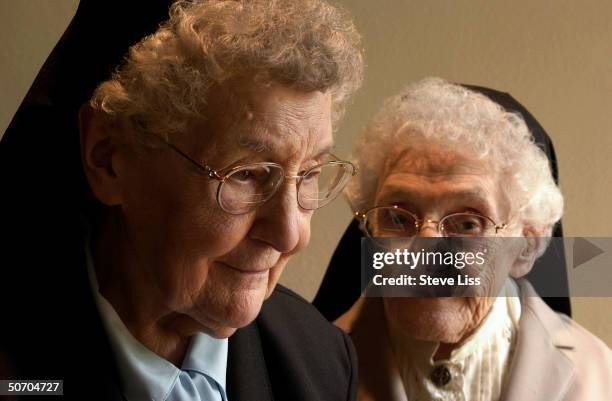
310, 175
243, 175
251, 174
471, 224
464, 224
398, 219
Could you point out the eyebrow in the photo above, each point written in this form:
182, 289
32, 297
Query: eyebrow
261, 145
258, 144
328, 149
396, 193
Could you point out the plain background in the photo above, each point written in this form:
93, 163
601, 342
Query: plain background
555, 57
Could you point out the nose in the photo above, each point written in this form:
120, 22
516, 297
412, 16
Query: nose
429, 228
279, 222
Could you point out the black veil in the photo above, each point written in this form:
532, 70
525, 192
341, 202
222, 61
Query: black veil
44, 297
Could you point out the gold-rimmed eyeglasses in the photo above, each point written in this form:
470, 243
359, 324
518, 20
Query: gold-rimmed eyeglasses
245, 187
394, 221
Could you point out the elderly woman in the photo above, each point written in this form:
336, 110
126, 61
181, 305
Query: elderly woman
442, 161
207, 153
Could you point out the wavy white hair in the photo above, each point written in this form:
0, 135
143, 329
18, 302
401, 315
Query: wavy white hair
165, 81
435, 112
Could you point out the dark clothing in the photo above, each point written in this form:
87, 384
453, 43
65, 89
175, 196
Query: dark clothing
292, 354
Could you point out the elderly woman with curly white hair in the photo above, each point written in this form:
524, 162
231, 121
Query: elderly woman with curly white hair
206, 153
440, 160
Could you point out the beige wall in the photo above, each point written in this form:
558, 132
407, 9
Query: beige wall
553, 56
28, 31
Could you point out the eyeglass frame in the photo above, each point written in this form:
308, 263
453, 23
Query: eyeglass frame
419, 223
222, 177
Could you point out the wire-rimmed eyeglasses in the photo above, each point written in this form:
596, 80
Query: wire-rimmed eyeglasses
394, 221
245, 187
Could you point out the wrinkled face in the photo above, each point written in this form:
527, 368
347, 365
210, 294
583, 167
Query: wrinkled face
433, 182
196, 259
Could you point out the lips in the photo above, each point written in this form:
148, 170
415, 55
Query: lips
246, 270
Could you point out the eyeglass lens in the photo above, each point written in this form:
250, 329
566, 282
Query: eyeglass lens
322, 184
246, 188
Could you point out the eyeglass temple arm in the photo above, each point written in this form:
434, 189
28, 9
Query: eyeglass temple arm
206, 169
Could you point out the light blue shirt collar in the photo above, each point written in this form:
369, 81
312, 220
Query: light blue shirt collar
208, 356
145, 375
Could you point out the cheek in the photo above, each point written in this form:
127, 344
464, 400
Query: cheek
200, 239
502, 261
194, 221
184, 239
219, 231
437, 319
278, 269
196, 234
275, 274
304, 230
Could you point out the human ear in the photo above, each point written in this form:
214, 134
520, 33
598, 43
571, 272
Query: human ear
98, 152
527, 255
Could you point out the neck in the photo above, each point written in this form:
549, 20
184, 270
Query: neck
135, 297
445, 349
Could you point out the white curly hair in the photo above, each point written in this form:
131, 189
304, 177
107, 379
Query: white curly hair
165, 81
436, 112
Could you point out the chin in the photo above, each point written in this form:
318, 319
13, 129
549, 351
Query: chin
221, 332
222, 314
245, 309
431, 319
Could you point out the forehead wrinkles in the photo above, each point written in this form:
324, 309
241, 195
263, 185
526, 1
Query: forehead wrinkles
433, 162
288, 128
440, 166
284, 144
267, 138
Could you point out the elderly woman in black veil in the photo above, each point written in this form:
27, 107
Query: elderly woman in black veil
441, 163
202, 159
